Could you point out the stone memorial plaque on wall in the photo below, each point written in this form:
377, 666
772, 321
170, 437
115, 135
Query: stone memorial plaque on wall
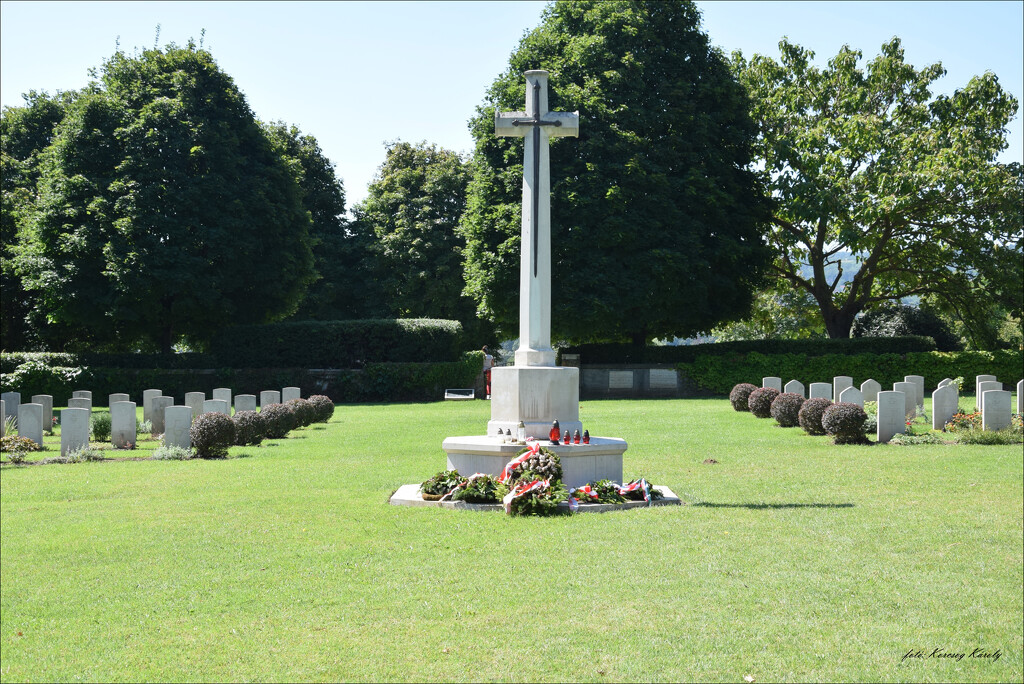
620, 379
663, 378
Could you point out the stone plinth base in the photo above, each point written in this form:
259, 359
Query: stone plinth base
409, 495
535, 395
581, 463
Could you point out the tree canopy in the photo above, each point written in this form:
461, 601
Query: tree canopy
413, 207
344, 287
868, 162
164, 210
656, 219
24, 133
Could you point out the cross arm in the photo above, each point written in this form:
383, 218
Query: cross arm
503, 125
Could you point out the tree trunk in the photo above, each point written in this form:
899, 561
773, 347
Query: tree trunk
838, 322
639, 339
166, 340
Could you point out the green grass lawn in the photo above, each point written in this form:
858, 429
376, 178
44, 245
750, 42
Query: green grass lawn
793, 560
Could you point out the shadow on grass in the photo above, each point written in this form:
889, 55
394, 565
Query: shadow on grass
766, 506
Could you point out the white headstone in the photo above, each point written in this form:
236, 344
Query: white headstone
78, 402
995, 414
978, 379
1020, 397
852, 395
119, 396
122, 424
821, 390
3, 409
945, 381
74, 429
47, 401
194, 400
245, 402
918, 381
773, 382
945, 402
30, 422
147, 403
839, 383
870, 389
289, 393
909, 391
796, 387
12, 400
216, 406
223, 393
178, 421
268, 397
536, 125
983, 387
158, 406
82, 394
892, 411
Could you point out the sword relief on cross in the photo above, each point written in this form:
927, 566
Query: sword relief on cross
537, 127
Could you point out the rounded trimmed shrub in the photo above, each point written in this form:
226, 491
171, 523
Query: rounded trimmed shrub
100, 425
810, 415
278, 419
845, 421
250, 428
305, 412
212, 434
786, 409
739, 395
760, 401
324, 407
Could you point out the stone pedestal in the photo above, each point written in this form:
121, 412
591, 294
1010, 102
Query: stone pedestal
535, 395
581, 463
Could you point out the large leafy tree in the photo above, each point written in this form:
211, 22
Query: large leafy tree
24, 133
413, 207
164, 209
343, 259
656, 219
868, 162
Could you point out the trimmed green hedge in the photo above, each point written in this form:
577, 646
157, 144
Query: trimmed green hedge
625, 353
720, 374
375, 382
338, 344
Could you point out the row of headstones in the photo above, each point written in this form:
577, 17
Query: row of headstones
174, 422
894, 406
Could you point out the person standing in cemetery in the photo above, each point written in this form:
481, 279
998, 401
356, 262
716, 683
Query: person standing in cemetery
488, 365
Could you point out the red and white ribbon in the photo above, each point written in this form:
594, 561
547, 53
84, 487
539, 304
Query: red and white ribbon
640, 484
533, 450
522, 490
462, 484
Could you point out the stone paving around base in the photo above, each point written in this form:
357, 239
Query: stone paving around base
409, 495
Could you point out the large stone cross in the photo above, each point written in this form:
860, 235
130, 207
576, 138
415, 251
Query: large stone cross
537, 125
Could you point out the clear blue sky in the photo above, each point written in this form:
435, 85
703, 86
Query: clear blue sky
357, 74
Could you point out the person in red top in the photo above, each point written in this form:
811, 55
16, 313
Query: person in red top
488, 365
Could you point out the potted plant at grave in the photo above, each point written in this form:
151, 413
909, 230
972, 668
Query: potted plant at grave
440, 484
